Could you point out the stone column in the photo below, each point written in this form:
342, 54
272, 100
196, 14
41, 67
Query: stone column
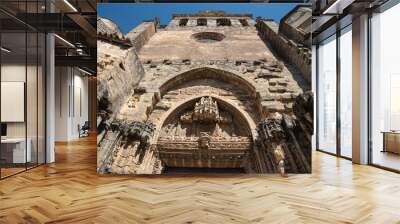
360, 89
192, 22
211, 22
314, 90
174, 23
50, 93
236, 23
251, 22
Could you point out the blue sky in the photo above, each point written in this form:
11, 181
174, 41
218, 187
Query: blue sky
129, 15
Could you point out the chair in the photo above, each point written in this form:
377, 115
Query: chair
84, 130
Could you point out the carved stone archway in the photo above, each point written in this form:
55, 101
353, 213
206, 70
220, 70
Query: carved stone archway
205, 132
211, 72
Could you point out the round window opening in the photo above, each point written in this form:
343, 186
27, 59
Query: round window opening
208, 37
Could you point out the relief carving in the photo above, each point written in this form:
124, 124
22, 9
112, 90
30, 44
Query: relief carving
132, 132
203, 135
204, 140
206, 111
286, 139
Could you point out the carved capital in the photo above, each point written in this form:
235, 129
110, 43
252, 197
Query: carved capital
271, 129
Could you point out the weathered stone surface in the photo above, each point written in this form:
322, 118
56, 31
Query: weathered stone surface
140, 89
277, 89
286, 96
297, 26
114, 82
186, 61
269, 97
162, 106
141, 34
282, 82
273, 106
282, 141
205, 99
287, 45
240, 44
268, 75
206, 128
167, 62
288, 106
107, 26
251, 69
271, 129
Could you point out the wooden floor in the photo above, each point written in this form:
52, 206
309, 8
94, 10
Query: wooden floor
70, 191
5, 172
387, 159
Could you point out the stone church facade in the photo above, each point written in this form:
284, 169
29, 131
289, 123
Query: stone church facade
210, 90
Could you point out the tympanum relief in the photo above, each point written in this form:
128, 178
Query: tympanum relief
205, 135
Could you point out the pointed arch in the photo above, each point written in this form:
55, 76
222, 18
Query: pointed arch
234, 109
209, 72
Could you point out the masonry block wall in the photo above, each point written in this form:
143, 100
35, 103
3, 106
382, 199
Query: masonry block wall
296, 54
142, 33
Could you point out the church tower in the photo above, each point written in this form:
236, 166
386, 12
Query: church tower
213, 94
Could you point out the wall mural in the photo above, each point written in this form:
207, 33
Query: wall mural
204, 96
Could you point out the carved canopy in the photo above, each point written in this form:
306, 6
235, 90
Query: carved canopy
204, 134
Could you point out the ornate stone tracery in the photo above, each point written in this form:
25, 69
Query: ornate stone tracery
204, 135
285, 140
134, 131
206, 111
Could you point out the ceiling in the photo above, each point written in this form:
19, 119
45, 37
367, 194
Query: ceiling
336, 14
74, 22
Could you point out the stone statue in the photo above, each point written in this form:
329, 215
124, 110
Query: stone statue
286, 139
280, 160
272, 136
271, 129
204, 140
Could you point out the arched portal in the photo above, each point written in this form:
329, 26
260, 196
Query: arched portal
226, 84
205, 132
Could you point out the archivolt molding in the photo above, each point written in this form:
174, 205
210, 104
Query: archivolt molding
203, 72
212, 72
271, 94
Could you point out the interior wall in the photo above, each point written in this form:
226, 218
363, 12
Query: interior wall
16, 73
314, 90
71, 102
80, 109
92, 98
62, 81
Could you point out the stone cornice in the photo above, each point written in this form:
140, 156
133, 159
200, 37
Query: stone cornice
211, 14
